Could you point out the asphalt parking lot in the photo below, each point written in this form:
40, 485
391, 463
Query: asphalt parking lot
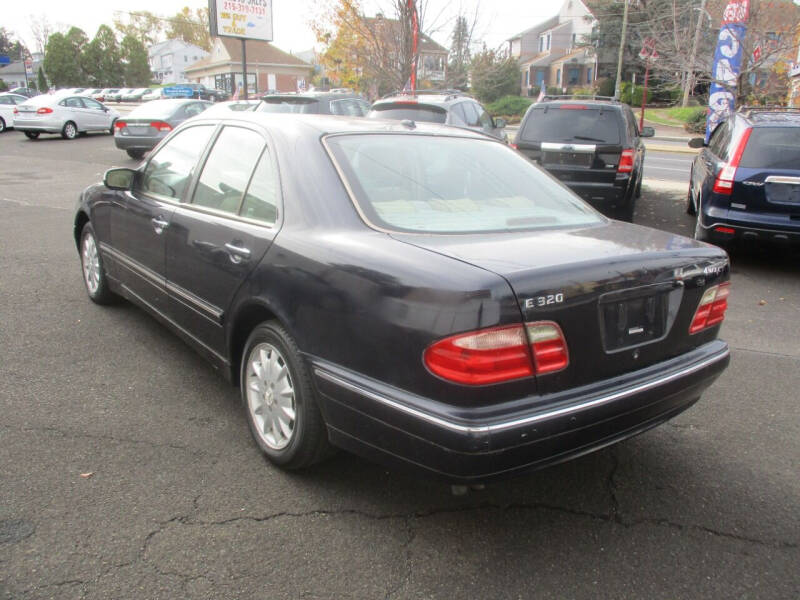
127, 470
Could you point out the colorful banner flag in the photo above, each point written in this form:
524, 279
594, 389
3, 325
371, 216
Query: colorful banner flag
727, 63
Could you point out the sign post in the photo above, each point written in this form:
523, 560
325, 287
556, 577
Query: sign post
647, 54
246, 20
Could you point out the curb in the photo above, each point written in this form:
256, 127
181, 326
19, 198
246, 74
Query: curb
663, 185
665, 148
667, 138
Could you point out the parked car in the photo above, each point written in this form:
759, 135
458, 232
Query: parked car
90, 92
104, 94
23, 91
67, 115
135, 95
153, 94
423, 296
148, 124
199, 91
117, 96
319, 103
222, 109
593, 146
745, 184
451, 107
8, 102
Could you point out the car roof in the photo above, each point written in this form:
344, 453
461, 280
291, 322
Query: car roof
770, 117
600, 103
443, 97
313, 95
319, 125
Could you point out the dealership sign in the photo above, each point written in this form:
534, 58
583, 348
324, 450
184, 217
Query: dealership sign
246, 19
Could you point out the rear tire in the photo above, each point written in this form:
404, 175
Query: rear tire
94, 274
137, 154
31, 135
279, 400
69, 131
690, 209
2, 125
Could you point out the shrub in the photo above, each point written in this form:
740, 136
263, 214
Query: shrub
696, 122
509, 106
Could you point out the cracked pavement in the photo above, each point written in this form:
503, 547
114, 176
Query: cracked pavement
180, 504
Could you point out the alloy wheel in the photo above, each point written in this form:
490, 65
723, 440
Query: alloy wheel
271, 396
91, 264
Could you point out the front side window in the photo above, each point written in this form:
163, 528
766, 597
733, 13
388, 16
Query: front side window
93, 104
170, 170
422, 183
227, 170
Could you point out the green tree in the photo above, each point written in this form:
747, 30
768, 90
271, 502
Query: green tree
141, 25
460, 56
41, 80
102, 59
63, 58
191, 27
137, 68
3, 86
8, 47
494, 75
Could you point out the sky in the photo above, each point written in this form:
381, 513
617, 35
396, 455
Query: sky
497, 19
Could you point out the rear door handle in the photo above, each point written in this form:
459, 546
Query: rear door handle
159, 224
237, 253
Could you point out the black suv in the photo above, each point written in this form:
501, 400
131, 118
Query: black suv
335, 102
593, 146
745, 184
450, 107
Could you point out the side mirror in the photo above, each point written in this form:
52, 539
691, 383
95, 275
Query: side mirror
119, 179
500, 123
697, 143
647, 132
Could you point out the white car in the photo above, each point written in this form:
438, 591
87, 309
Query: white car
155, 94
7, 104
67, 115
223, 109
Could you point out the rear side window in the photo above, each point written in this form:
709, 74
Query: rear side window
426, 113
289, 105
588, 124
348, 107
169, 171
773, 148
720, 140
261, 200
227, 170
421, 183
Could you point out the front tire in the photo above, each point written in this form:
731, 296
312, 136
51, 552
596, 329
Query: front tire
32, 135
111, 129
279, 400
69, 131
94, 274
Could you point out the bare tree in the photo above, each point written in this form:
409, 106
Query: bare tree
41, 29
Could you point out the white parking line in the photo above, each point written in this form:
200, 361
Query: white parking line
666, 168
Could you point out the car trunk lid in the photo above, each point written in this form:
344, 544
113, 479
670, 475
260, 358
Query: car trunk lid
624, 296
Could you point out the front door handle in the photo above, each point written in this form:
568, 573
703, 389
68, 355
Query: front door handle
159, 224
237, 253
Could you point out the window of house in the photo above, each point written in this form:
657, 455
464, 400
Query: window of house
589, 75
558, 76
541, 44
548, 41
574, 39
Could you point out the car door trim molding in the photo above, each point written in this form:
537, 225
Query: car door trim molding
528, 420
197, 304
133, 266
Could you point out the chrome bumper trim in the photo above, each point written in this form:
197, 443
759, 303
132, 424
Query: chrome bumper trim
523, 421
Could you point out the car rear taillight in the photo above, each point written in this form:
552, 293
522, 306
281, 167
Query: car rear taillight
499, 354
712, 307
44, 111
16, 111
161, 126
723, 184
626, 161
120, 124
513, 145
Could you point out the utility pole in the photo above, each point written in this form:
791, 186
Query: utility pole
690, 70
621, 51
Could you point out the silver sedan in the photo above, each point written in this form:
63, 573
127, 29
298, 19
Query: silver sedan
68, 115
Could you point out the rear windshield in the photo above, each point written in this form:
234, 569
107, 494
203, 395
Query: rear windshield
430, 114
553, 124
773, 148
289, 105
423, 183
157, 109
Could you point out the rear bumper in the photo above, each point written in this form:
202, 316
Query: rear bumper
41, 125
600, 194
773, 227
133, 142
390, 426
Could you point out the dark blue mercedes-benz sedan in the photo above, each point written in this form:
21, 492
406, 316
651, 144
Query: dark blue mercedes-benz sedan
745, 183
420, 295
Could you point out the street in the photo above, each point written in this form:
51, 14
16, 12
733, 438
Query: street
127, 470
